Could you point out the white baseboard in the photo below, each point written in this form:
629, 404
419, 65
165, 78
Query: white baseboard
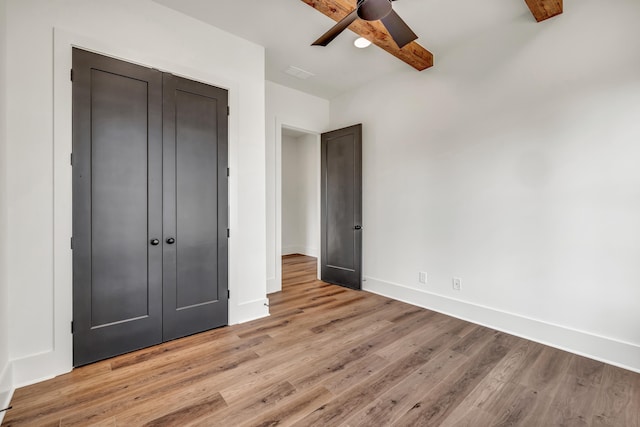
40, 367
302, 250
614, 352
248, 311
6, 388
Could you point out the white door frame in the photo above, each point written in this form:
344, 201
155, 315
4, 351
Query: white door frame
280, 123
59, 358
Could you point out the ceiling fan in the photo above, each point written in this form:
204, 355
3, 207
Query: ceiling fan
373, 10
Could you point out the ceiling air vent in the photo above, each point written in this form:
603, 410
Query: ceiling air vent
298, 72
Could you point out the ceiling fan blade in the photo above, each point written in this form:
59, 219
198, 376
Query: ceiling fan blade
337, 29
399, 30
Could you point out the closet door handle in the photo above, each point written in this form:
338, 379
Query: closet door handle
155, 242
171, 240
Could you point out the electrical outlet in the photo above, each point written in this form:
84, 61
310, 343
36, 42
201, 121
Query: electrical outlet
457, 284
422, 277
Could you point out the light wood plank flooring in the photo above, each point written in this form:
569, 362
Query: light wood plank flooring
329, 356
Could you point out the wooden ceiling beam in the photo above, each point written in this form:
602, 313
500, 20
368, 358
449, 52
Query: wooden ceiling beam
413, 54
544, 9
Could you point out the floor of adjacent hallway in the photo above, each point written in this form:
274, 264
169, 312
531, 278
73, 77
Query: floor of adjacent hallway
330, 356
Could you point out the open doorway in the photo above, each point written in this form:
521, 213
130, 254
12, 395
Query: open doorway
300, 193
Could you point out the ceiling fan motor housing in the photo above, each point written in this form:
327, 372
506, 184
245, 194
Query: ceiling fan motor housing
373, 10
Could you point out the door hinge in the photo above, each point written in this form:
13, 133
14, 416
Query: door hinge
228, 172
72, 326
228, 233
228, 111
71, 159
71, 242
71, 75
228, 294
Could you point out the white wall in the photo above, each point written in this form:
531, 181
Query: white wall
298, 110
513, 164
40, 36
300, 195
5, 371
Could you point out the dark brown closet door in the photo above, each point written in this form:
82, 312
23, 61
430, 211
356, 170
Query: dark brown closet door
150, 207
195, 207
117, 207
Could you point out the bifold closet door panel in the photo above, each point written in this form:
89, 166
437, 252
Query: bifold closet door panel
117, 209
195, 207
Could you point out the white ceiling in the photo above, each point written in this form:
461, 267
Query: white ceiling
286, 28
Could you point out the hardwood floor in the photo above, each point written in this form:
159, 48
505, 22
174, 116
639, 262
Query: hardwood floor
330, 356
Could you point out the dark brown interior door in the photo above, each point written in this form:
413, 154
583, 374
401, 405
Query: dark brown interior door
195, 207
117, 207
149, 207
341, 194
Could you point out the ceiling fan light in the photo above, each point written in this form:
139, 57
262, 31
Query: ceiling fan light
361, 43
